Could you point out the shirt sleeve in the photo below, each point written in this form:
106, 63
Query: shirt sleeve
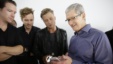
102, 50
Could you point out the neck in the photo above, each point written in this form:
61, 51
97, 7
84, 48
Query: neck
27, 30
52, 30
84, 24
3, 25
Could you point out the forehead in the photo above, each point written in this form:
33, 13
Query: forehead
47, 15
70, 13
10, 6
29, 16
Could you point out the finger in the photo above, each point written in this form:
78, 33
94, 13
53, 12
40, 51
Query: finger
65, 57
66, 54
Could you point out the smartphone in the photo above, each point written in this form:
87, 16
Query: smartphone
55, 59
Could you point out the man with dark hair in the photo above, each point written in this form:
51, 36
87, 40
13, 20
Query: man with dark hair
28, 32
50, 40
10, 41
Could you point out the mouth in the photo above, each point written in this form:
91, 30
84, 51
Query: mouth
74, 25
50, 25
11, 19
28, 25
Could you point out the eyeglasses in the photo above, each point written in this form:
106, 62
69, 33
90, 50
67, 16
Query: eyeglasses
72, 18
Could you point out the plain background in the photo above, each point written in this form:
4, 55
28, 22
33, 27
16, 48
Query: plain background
99, 13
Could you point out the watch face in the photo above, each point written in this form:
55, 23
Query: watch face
48, 58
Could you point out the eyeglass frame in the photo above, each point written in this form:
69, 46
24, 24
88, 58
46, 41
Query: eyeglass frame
67, 20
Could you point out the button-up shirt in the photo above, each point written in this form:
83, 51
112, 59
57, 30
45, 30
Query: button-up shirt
90, 46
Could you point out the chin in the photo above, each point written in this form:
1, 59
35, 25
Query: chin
75, 29
9, 21
28, 27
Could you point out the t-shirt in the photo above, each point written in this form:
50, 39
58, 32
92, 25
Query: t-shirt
10, 37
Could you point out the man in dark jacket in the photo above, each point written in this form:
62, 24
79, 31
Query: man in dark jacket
50, 40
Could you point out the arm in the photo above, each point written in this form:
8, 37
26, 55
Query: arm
15, 50
4, 57
6, 52
37, 51
65, 45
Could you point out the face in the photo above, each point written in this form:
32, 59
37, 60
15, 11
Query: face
28, 21
76, 21
8, 12
49, 20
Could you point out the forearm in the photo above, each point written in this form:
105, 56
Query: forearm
4, 57
15, 50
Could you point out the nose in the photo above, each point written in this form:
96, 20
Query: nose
13, 15
49, 21
71, 23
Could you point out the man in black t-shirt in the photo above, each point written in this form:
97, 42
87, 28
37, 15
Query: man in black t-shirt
27, 32
10, 41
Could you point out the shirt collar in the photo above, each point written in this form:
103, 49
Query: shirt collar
23, 28
86, 28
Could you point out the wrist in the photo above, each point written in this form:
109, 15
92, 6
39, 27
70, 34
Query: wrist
5, 49
25, 49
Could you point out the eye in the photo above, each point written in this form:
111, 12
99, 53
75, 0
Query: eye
9, 10
74, 17
26, 20
67, 20
31, 19
51, 18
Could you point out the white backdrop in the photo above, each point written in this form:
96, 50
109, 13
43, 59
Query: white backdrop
99, 13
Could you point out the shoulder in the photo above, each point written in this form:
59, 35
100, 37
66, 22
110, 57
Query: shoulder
19, 28
96, 32
98, 36
41, 31
36, 28
12, 28
61, 30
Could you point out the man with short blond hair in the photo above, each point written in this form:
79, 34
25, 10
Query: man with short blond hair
27, 32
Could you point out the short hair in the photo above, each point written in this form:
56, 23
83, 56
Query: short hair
77, 7
3, 2
25, 11
45, 11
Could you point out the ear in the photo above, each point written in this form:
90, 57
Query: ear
83, 15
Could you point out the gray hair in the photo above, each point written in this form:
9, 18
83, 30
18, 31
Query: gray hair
77, 7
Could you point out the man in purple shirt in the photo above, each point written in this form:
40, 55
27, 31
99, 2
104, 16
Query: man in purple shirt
88, 45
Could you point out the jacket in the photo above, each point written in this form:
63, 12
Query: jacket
41, 42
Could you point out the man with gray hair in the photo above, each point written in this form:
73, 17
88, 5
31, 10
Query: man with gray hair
88, 45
